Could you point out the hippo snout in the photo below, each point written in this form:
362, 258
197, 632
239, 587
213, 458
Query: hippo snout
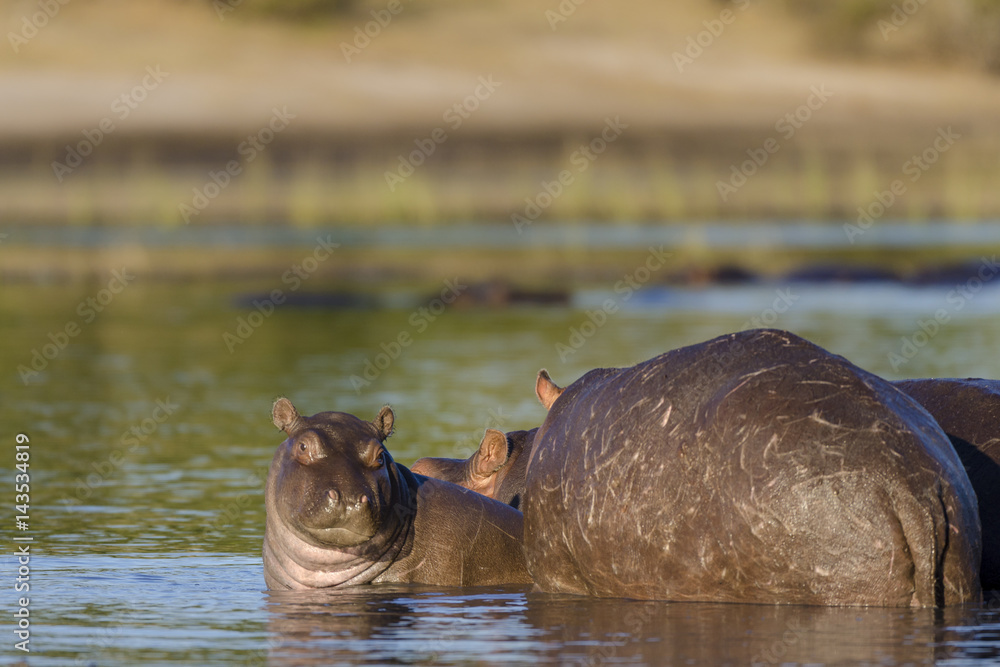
339, 518
345, 505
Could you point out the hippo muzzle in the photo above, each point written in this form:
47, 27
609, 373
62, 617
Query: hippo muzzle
334, 519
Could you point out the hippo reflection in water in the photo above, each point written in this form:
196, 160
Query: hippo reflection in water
341, 512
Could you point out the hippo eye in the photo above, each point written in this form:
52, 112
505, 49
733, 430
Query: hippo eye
308, 450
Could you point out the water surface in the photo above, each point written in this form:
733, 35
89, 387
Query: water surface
150, 438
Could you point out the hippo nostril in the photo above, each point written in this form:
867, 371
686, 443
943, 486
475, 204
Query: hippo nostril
333, 495
363, 500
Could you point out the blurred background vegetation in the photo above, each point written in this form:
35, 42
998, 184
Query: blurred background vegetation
297, 10
955, 31
899, 71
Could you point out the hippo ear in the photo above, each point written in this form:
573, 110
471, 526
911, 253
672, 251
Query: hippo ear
284, 415
546, 390
492, 454
383, 423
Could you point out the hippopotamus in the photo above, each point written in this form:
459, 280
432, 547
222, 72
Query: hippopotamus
497, 469
341, 512
968, 411
754, 467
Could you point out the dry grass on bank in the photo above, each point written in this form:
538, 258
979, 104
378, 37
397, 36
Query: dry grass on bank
799, 183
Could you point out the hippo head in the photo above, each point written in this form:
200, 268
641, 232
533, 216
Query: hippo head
478, 472
496, 470
332, 479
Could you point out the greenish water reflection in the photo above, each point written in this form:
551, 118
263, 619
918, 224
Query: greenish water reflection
150, 439
149, 435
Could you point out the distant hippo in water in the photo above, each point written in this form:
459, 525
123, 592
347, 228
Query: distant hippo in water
968, 411
340, 512
755, 467
496, 470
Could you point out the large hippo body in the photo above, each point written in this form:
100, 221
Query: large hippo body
497, 469
755, 467
968, 411
340, 512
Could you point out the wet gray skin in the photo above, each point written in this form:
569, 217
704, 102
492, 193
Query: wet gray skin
341, 512
968, 411
496, 470
755, 467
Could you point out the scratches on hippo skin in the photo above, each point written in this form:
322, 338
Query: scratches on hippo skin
880, 426
666, 415
749, 376
839, 476
817, 417
548, 486
771, 445
743, 453
823, 382
500, 529
564, 492
408, 572
479, 524
583, 529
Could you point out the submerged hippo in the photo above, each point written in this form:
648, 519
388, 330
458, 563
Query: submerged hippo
340, 512
968, 411
755, 467
496, 470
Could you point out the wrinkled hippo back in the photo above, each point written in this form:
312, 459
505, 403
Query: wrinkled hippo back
754, 467
968, 411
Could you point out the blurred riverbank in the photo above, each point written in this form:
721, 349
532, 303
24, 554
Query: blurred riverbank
500, 257
170, 114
